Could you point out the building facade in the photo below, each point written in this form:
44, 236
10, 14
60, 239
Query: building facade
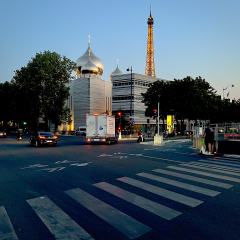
89, 94
122, 99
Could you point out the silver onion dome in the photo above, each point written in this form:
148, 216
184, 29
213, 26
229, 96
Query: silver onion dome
89, 67
94, 59
117, 71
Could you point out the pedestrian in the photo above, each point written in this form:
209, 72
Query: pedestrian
209, 139
166, 133
140, 135
148, 133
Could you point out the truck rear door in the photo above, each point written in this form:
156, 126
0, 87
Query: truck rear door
102, 126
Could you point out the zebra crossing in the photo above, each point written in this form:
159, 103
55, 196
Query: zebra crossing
216, 176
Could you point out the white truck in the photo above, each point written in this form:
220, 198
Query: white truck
101, 128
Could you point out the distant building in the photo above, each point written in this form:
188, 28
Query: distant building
121, 96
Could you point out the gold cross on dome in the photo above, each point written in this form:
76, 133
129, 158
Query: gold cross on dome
89, 39
89, 52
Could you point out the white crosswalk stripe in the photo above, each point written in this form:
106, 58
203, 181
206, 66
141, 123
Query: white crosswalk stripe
187, 186
139, 201
217, 165
57, 221
204, 173
218, 162
162, 192
6, 228
195, 179
215, 170
125, 224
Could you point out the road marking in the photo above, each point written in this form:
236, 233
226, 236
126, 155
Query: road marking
65, 161
217, 166
80, 164
6, 227
122, 222
52, 169
187, 186
105, 155
213, 169
35, 166
162, 192
57, 221
169, 160
196, 179
205, 173
222, 163
139, 201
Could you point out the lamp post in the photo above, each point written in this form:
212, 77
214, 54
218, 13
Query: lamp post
227, 88
130, 69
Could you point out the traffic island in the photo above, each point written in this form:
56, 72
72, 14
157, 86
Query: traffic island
158, 140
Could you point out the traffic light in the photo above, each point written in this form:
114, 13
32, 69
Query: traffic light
119, 114
119, 128
154, 112
24, 123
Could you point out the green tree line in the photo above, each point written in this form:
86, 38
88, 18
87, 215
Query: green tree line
38, 90
192, 99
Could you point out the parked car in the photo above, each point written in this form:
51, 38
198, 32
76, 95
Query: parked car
81, 131
3, 134
43, 138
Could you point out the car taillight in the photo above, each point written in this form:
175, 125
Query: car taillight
88, 139
4, 134
55, 137
42, 137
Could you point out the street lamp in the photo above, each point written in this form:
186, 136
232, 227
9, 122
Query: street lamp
130, 69
227, 88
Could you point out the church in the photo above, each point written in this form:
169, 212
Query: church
89, 94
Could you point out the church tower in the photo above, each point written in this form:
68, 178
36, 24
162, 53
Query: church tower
150, 66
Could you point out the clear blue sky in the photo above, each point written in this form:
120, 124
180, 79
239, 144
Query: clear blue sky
191, 38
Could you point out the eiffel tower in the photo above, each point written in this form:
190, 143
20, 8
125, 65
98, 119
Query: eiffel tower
150, 66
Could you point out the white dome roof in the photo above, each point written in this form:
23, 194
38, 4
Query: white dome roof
94, 59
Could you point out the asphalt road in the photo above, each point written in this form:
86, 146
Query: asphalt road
122, 191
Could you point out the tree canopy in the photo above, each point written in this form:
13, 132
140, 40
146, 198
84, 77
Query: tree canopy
188, 98
41, 88
6, 103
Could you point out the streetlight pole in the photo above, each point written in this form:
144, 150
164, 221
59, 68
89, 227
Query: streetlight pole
227, 88
130, 69
158, 116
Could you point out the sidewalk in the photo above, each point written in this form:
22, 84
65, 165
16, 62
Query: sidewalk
150, 141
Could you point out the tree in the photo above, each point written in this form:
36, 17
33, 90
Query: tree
186, 98
6, 103
41, 89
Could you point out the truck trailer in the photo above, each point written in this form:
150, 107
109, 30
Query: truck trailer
100, 128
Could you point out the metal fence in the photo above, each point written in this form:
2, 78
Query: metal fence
219, 129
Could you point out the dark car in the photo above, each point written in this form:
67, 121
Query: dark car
3, 134
43, 138
188, 133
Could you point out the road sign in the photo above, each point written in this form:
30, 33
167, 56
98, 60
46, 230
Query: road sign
133, 122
